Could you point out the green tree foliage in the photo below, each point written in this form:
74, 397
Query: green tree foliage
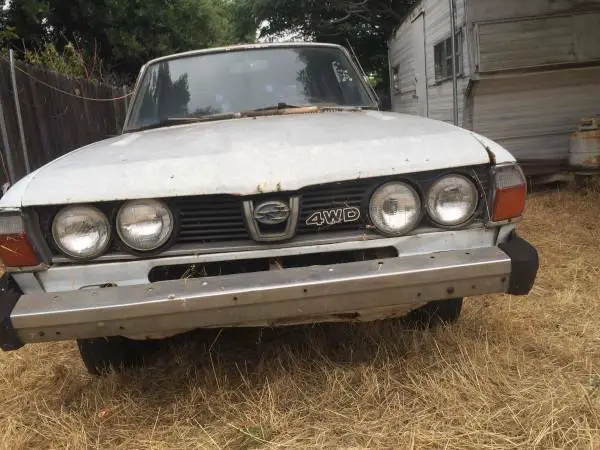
365, 24
71, 61
243, 20
126, 33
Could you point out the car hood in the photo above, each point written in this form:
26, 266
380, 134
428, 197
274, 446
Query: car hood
249, 156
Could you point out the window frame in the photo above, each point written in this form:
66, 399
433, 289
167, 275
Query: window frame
442, 57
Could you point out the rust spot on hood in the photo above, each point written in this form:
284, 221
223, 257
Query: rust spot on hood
490, 153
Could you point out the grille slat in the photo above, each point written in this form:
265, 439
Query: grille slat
322, 198
207, 219
210, 219
212, 229
212, 238
221, 234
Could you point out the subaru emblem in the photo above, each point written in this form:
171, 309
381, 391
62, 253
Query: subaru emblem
272, 213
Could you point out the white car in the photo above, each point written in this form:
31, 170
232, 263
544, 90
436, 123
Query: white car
256, 185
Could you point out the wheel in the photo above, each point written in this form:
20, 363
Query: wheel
435, 313
103, 355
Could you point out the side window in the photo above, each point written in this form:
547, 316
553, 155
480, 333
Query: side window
443, 57
396, 79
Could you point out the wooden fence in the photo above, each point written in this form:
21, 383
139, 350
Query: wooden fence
59, 114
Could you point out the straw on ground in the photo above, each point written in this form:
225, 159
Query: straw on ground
515, 372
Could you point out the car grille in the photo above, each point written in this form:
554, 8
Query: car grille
342, 195
220, 218
210, 219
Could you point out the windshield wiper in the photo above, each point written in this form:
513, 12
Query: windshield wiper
283, 106
172, 121
279, 106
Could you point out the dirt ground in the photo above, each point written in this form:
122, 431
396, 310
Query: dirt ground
515, 372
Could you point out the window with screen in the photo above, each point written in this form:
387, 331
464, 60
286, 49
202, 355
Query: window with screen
443, 58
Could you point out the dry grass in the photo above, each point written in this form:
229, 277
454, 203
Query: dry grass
515, 372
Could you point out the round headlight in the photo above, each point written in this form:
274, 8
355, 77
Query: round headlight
145, 225
395, 208
81, 232
452, 200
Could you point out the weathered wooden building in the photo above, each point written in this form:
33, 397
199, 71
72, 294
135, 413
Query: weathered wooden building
528, 70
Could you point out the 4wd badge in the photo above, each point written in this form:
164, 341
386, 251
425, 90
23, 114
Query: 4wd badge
333, 217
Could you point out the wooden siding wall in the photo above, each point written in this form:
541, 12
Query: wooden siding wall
401, 53
531, 112
539, 42
529, 95
533, 116
497, 10
437, 21
55, 123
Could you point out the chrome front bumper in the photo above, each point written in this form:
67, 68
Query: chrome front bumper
354, 291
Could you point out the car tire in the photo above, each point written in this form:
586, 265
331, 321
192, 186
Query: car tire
440, 312
114, 354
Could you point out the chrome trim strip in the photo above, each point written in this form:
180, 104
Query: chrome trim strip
514, 221
128, 273
504, 233
38, 268
242, 47
272, 298
28, 282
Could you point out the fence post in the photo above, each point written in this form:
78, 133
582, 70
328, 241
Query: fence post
7, 151
18, 109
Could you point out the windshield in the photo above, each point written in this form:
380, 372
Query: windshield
245, 80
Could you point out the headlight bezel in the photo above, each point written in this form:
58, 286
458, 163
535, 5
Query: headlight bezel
415, 189
476, 206
168, 242
60, 247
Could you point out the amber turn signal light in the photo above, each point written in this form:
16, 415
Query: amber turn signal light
510, 193
15, 249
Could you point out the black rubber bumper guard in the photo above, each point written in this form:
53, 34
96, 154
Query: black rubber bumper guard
525, 264
9, 296
524, 258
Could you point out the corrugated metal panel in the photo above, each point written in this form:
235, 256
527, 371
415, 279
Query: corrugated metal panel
534, 115
488, 10
538, 42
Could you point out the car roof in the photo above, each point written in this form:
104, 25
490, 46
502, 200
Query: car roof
242, 47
